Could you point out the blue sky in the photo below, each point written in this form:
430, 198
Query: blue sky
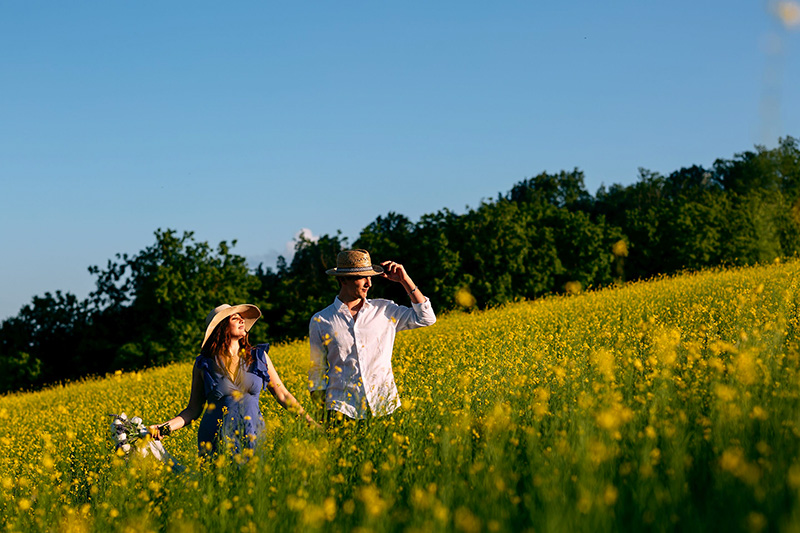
254, 120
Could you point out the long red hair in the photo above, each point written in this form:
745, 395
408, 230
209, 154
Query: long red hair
220, 339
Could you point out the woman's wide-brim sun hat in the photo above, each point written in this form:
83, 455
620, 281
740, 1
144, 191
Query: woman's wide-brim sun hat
354, 263
250, 314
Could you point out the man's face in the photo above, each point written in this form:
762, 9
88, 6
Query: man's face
355, 288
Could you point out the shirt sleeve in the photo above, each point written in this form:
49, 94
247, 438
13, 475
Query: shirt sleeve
416, 316
318, 371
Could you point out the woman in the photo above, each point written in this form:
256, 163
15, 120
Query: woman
228, 376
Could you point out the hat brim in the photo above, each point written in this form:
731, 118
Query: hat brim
374, 270
250, 314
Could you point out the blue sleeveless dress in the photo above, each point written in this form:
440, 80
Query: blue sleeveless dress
232, 412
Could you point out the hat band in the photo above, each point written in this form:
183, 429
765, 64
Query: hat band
354, 269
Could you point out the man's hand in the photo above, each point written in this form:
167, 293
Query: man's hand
394, 272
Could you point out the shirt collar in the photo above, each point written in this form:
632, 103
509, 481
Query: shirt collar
341, 306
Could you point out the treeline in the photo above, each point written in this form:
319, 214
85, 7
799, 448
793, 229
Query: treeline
547, 234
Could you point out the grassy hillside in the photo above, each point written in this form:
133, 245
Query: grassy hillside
661, 405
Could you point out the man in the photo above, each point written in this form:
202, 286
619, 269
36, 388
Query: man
351, 340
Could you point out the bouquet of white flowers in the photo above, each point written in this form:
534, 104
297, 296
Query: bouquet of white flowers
132, 434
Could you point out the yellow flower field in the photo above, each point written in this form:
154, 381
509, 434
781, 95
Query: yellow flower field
671, 404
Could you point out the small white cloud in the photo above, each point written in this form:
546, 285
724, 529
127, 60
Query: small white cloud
306, 234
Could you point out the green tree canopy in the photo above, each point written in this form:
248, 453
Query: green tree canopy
158, 298
547, 234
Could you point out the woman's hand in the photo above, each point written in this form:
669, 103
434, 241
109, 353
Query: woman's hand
158, 432
313, 423
155, 433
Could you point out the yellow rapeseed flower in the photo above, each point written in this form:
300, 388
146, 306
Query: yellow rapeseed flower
620, 249
464, 298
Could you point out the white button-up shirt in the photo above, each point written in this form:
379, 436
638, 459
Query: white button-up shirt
351, 357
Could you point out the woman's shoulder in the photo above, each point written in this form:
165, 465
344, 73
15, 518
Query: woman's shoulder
202, 362
260, 351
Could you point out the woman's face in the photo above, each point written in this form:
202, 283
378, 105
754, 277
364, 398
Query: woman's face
236, 326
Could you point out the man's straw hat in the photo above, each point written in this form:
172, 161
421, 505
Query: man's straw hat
250, 313
354, 263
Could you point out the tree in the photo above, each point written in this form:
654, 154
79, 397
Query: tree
764, 191
154, 302
565, 189
434, 257
44, 343
638, 211
297, 291
584, 248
